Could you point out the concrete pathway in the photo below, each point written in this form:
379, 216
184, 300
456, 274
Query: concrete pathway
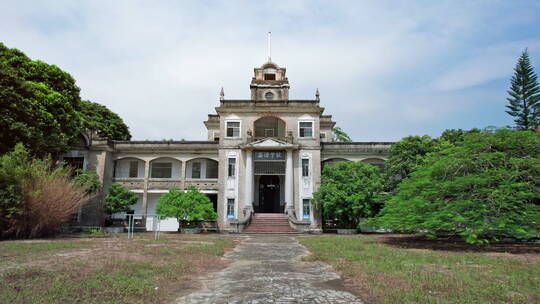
268, 269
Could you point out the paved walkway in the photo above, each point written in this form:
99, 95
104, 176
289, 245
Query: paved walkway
268, 269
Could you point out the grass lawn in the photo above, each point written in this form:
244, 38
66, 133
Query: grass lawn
404, 269
107, 270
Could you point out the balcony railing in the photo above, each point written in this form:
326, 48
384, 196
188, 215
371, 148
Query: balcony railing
203, 184
130, 182
167, 183
164, 183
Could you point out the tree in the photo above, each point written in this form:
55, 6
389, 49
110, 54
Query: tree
119, 199
87, 179
36, 198
39, 104
455, 136
105, 122
482, 189
340, 135
524, 100
187, 207
404, 156
348, 192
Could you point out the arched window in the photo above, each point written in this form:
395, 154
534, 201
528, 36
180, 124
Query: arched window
269, 127
269, 96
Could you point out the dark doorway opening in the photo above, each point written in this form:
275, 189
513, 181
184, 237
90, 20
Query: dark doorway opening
213, 199
269, 194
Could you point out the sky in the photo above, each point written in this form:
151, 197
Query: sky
384, 69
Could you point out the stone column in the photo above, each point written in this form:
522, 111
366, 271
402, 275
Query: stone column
249, 180
289, 183
183, 166
145, 188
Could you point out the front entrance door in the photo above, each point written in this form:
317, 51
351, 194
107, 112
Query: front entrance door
269, 194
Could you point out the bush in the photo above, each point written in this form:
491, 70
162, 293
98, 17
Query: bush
119, 199
35, 199
187, 207
348, 192
484, 188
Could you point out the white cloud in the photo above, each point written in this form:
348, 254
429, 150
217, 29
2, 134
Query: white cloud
384, 69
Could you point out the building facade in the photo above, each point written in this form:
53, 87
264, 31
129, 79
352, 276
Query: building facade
262, 155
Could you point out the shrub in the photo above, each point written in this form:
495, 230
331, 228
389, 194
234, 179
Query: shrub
348, 192
35, 198
187, 207
119, 199
484, 188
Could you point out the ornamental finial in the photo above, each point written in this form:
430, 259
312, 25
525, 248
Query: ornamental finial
221, 94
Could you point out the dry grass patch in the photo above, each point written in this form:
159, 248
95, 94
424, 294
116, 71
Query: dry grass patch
397, 269
107, 270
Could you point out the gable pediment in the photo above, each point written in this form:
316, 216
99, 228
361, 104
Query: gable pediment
270, 143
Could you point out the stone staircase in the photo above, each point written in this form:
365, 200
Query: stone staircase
268, 223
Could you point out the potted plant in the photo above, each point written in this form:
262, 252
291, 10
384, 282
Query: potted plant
190, 208
119, 199
348, 193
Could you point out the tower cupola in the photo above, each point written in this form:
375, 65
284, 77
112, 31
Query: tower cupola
269, 83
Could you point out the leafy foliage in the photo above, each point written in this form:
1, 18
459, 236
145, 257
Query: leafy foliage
487, 186
348, 192
39, 104
40, 107
405, 156
524, 100
88, 179
187, 207
340, 135
455, 136
119, 199
105, 122
35, 200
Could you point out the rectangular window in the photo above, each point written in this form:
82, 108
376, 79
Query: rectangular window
161, 170
233, 129
305, 208
196, 170
230, 208
133, 168
305, 167
306, 129
322, 136
211, 169
232, 166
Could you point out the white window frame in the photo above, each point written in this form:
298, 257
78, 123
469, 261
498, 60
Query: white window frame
233, 215
235, 167
308, 166
312, 128
322, 136
309, 209
239, 128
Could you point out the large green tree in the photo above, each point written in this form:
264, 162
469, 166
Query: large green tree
105, 122
187, 207
484, 188
405, 156
348, 192
524, 100
39, 104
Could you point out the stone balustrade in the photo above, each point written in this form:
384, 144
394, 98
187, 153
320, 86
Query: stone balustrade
130, 183
164, 183
203, 184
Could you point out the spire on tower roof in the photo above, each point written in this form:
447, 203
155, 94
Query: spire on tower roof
221, 94
269, 46
317, 95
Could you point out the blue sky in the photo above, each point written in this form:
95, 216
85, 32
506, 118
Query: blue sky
385, 69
